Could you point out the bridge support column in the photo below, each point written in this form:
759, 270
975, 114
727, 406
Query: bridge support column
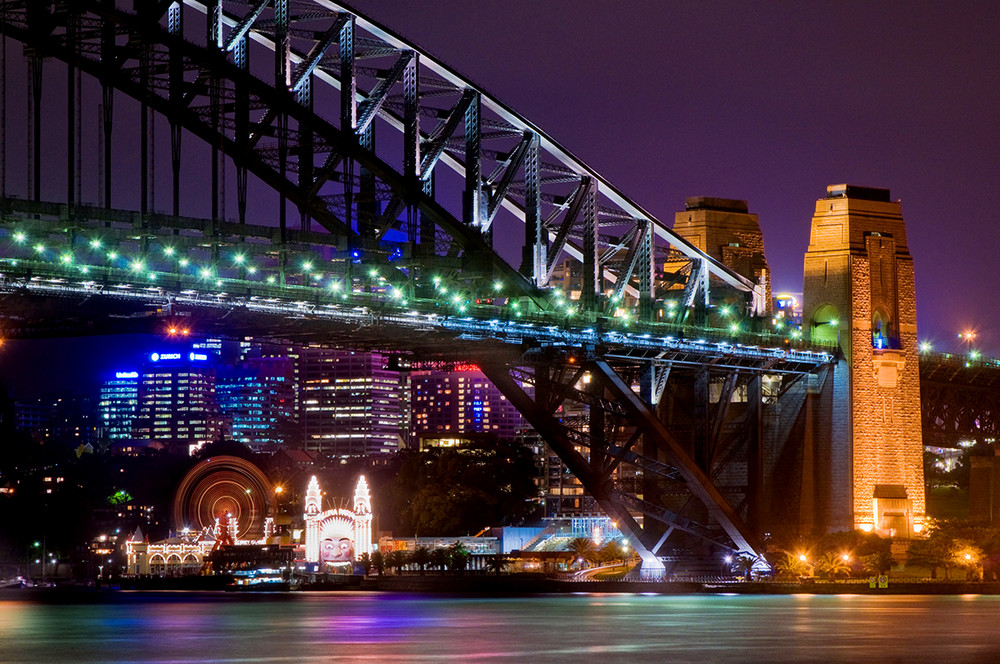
859, 293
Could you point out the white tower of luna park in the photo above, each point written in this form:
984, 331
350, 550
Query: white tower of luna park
337, 524
362, 518
313, 508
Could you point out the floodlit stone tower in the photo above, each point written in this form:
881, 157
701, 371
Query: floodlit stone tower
725, 229
859, 293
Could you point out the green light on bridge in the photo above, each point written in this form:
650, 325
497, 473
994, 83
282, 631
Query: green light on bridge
169, 251
66, 258
39, 248
95, 244
183, 262
20, 237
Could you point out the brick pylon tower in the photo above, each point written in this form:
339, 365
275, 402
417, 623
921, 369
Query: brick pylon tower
725, 229
859, 292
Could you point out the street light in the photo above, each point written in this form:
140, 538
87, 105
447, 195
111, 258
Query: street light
967, 337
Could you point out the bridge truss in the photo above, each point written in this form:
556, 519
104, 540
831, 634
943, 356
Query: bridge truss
428, 213
959, 400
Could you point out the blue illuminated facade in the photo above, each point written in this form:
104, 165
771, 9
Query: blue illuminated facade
257, 396
118, 405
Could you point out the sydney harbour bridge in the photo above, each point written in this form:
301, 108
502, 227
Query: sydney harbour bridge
289, 169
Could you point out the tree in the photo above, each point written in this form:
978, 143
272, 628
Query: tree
458, 557
439, 558
583, 549
366, 562
420, 557
610, 552
933, 552
498, 563
792, 565
833, 564
455, 490
744, 564
966, 554
396, 560
878, 563
855, 542
378, 562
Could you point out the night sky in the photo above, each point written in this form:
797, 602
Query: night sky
764, 101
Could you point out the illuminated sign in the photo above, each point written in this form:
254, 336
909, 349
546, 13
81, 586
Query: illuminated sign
156, 357
197, 356
127, 374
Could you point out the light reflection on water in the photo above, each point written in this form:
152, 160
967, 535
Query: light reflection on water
363, 627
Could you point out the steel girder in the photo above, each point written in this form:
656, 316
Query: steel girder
625, 453
211, 82
959, 400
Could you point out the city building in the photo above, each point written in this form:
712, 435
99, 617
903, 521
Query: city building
480, 549
177, 406
118, 405
461, 401
258, 398
66, 418
349, 404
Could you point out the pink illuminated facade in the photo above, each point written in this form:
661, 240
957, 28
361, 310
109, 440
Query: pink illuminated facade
337, 536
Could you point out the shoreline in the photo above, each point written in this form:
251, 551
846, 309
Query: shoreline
499, 586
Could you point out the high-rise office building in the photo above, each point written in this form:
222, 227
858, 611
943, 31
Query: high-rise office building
177, 406
258, 397
118, 405
461, 401
349, 404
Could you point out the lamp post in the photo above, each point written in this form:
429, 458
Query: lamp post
967, 337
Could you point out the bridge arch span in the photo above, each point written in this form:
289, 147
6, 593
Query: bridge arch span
303, 93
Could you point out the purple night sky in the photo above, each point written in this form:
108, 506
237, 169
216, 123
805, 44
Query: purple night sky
764, 101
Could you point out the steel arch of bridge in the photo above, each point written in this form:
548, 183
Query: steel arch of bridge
275, 122
393, 206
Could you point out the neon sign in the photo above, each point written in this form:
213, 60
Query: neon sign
126, 374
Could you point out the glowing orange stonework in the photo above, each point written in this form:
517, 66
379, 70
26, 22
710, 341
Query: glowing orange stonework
859, 293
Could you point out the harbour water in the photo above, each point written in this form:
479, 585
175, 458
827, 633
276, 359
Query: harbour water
178, 627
